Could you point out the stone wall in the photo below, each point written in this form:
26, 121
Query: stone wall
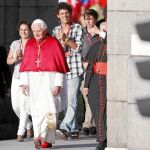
12, 11
128, 90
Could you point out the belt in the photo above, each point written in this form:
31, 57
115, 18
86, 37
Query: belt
100, 68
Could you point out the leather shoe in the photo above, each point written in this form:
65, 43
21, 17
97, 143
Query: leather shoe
46, 145
101, 146
85, 131
92, 130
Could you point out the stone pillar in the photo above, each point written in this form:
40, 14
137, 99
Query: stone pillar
127, 89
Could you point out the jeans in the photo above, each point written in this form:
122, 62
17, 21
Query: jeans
69, 122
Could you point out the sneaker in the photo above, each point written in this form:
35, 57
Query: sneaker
62, 134
85, 131
74, 135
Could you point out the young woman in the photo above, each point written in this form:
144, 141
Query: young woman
17, 98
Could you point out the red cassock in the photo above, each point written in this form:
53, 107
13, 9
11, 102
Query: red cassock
51, 56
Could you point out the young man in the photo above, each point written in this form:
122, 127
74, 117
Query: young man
69, 34
42, 69
89, 38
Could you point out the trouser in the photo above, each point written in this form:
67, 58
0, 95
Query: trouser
69, 122
88, 118
97, 101
18, 103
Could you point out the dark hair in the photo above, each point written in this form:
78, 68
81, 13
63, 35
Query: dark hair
91, 12
63, 5
26, 23
99, 22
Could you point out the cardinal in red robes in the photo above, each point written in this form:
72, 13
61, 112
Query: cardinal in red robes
42, 71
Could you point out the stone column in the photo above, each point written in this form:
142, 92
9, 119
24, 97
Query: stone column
127, 90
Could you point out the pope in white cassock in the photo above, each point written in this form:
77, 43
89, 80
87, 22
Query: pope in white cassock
42, 70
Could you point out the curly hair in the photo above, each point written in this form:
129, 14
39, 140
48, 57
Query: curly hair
63, 5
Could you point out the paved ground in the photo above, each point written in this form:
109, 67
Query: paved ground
83, 143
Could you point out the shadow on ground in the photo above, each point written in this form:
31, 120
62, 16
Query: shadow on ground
75, 145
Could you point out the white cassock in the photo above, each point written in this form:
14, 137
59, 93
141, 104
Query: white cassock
41, 101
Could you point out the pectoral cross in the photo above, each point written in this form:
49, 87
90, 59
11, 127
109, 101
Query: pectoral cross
38, 62
38, 57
